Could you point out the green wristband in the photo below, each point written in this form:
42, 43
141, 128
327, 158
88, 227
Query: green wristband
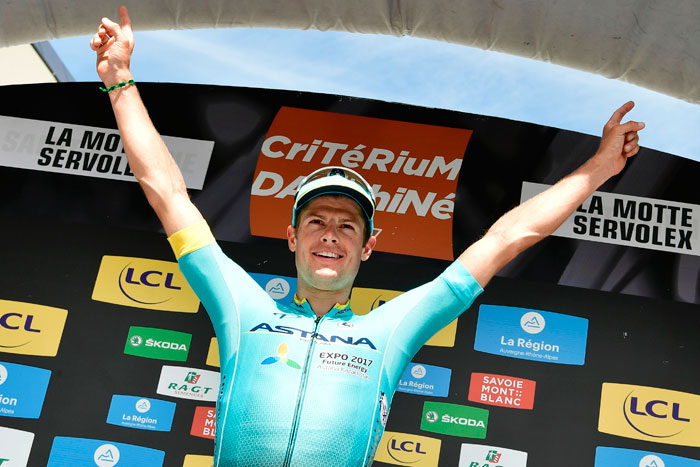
117, 86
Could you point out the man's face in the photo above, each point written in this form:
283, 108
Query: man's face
328, 243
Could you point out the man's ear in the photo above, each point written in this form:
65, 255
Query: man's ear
291, 238
369, 247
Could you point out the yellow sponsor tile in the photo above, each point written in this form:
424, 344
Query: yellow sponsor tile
404, 449
144, 283
192, 460
650, 414
363, 300
213, 354
30, 329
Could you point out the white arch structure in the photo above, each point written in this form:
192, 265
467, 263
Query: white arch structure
651, 43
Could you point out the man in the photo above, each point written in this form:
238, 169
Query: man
311, 383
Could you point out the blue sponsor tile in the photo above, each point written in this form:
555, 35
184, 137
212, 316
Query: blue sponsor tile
531, 334
141, 413
426, 380
618, 457
22, 390
280, 288
82, 452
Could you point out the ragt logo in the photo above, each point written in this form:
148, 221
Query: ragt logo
144, 283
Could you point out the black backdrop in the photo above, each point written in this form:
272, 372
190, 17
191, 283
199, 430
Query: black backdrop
56, 228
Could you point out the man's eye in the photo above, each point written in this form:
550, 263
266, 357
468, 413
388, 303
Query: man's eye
314, 221
348, 226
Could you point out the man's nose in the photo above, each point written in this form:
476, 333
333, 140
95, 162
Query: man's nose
330, 234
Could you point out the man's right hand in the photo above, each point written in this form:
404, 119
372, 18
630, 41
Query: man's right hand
114, 44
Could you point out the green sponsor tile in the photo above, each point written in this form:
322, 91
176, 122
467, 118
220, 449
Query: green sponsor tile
454, 419
161, 344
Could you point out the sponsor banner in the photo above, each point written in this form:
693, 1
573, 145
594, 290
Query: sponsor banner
454, 419
192, 460
531, 334
279, 288
188, 383
83, 452
616, 457
161, 344
413, 169
476, 455
213, 353
144, 283
29, 329
141, 413
15, 446
89, 151
502, 391
363, 300
650, 414
648, 223
22, 390
427, 380
411, 450
204, 422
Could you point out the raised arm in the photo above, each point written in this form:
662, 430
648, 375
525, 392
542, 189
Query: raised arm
538, 217
149, 158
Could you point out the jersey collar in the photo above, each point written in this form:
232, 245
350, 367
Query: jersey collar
338, 310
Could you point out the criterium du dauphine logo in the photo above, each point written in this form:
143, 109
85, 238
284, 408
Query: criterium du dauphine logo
532, 322
282, 351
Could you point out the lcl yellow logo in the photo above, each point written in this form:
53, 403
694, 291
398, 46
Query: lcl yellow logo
650, 414
404, 449
213, 353
364, 300
144, 283
30, 329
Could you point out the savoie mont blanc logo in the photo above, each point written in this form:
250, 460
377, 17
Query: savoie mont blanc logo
502, 391
188, 383
161, 344
616, 457
650, 414
531, 334
144, 283
29, 329
454, 419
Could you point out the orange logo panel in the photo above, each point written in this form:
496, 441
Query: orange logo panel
413, 169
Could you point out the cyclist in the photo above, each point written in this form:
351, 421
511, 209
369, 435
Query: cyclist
311, 383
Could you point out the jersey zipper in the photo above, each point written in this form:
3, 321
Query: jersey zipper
302, 391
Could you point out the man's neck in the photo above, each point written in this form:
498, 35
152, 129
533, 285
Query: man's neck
322, 301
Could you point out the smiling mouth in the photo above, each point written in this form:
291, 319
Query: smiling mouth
328, 254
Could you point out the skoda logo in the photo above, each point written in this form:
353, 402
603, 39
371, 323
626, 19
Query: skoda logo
136, 341
431, 416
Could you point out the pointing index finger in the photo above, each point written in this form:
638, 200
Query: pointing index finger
618, 115
124, 16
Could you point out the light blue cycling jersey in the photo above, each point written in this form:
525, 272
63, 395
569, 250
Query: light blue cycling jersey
298, 390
